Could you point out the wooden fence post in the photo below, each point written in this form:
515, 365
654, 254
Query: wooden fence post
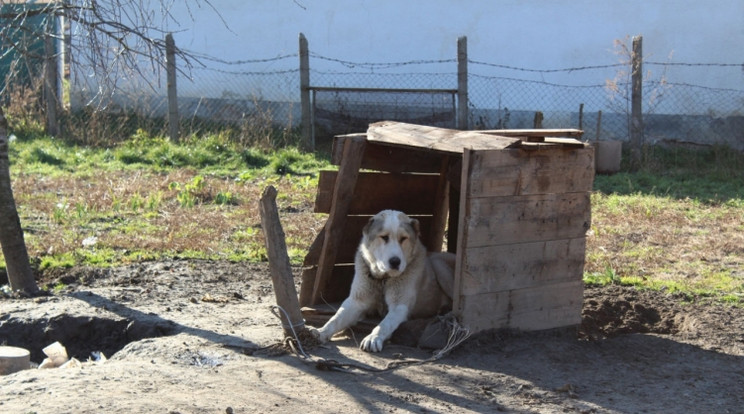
538, 120
280, 269
307, 130
50, 86
636, 103
170, 67
462, 83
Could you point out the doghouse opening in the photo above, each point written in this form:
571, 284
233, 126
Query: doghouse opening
513, 205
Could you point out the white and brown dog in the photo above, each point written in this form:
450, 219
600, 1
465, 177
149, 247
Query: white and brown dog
394, 276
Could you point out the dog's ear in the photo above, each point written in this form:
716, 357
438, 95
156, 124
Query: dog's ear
416, 227
367, 226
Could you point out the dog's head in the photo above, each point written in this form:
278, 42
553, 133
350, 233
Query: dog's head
389, 242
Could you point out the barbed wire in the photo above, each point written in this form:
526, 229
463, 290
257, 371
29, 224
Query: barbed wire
573, 69
376, 65
722, 65
234, 91
211, 58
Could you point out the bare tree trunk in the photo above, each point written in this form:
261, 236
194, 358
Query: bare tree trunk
11, 234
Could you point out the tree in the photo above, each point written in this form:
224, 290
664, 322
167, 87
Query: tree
110, 40
11, 234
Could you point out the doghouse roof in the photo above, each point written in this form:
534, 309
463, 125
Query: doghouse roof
455, 142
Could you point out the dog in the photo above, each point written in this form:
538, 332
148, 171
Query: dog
395, 276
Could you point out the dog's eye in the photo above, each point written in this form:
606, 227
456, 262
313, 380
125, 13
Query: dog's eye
403, 238
385, 238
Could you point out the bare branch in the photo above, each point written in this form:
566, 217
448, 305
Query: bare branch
111, 42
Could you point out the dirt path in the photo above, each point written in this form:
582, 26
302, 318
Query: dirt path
187, 337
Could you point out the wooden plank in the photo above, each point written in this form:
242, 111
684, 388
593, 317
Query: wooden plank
518, 172
342, 196
339, 284
374, 192
281, 271
435, 139
462, 226
544, 133
523, 265
435, 238
309, 268
381, 157
566, 142
307, 284
520, 219
542, 307
318, 315
337, 150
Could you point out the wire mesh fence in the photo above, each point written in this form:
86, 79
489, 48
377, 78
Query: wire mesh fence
347, 95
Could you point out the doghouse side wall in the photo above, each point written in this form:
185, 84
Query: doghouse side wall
523, 219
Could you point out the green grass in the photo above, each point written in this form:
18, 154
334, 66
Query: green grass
676, 225
147, 198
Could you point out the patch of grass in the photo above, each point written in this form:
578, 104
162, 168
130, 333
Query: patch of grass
676, 225
64, 260
147, 198
710, 176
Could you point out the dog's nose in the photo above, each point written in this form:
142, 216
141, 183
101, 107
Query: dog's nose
394, 262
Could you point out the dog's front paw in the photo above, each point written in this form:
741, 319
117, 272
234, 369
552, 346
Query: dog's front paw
318, 334
372, 343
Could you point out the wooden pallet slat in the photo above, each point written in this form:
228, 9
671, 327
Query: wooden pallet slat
519, 219
374, 192
343, 193
435, 139
518, 172
522, 265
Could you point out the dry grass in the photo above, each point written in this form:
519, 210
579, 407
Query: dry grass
668, 243
138, 214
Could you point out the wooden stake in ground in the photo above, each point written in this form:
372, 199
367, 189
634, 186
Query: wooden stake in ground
281, 272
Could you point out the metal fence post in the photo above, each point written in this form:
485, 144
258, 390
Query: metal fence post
307, 132
170, 64
462, 82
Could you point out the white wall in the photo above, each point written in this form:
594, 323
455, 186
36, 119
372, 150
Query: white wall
540, 34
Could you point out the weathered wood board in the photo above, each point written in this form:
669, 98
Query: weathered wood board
343, 192
522, 265
435, 139
521, 219
544, 133
545, 306
516, 172
412, 193
383, 157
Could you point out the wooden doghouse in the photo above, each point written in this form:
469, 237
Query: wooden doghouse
515, 205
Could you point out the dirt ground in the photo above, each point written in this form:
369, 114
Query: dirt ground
191, 337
